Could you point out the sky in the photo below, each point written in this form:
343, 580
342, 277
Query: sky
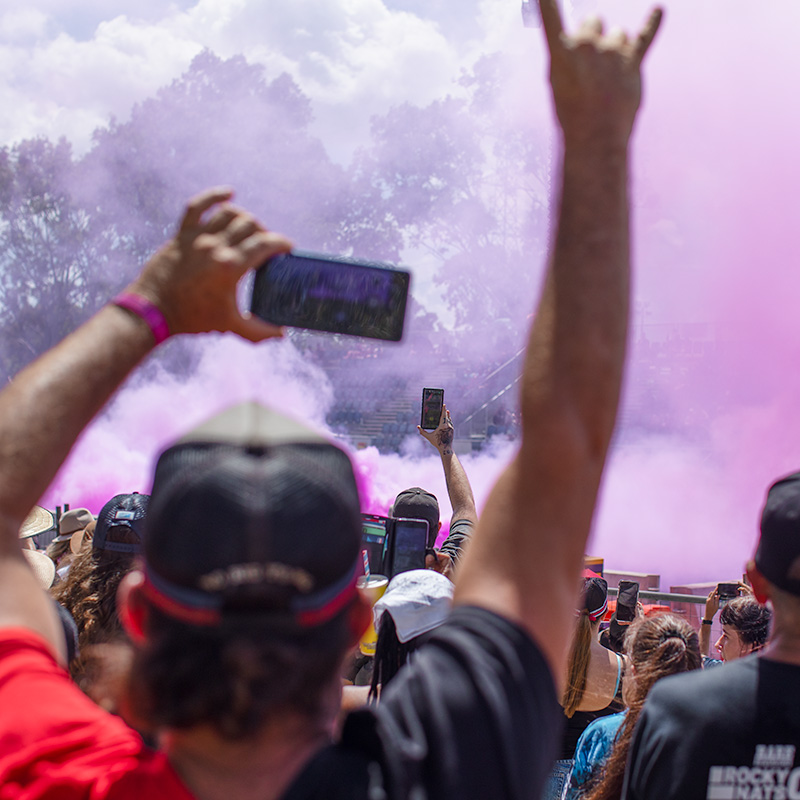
715, 201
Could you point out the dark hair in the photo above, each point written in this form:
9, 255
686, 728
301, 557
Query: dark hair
390, 654
656, 646
89, 593
749, 618
235, 677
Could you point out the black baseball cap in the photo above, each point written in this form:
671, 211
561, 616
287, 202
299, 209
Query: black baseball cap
120, 524
595, 597
778, 554
416, 503
252, 515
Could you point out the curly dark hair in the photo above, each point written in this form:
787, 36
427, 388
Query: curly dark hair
89, 593
656, 646
235, 677
749, 618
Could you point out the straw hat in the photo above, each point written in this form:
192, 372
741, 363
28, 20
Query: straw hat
38, 521
43, 567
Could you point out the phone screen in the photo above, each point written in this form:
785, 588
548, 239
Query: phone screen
334, 294
727, 592
373, 539
432, 402
408, 547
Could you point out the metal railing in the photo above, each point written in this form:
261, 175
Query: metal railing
667, 596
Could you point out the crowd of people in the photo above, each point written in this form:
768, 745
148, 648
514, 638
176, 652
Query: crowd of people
201, 642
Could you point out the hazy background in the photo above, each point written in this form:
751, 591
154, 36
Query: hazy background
419, 132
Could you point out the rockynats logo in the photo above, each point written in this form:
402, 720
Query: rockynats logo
771, 777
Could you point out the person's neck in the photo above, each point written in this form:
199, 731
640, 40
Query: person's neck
261, 767
783, 645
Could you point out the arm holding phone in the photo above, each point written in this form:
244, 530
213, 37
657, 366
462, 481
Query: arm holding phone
712, 606
465, 515
526, 556
192, 282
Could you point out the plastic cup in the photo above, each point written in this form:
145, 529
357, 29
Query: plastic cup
371, 590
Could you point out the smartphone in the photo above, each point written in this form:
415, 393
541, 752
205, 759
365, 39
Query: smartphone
727, 591
332, 293
373, 540
432, 404
627, 598
408, 541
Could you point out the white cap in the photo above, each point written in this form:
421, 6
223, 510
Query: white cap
419, 600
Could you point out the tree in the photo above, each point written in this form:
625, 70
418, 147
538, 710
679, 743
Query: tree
53, 257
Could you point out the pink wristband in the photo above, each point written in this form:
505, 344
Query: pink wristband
143, 308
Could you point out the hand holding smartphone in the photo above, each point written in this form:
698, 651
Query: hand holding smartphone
727, 592
432, 405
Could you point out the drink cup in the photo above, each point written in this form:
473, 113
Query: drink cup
371, 590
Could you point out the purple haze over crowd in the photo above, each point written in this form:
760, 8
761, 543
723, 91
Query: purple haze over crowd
710, 410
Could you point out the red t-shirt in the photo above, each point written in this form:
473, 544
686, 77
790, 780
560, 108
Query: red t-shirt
57, 744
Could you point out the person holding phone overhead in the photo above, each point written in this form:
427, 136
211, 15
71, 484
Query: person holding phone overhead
418, 503
745, 623
239, 625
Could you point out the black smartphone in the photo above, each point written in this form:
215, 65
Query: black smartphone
332, 293
408, 541
432, 404
373, 540
727, 592
627, 598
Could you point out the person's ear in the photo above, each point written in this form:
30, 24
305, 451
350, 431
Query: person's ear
759, 583
360, 618
131, 605
440, 527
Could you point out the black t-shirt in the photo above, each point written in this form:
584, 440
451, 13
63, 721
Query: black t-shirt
458, 536
730, 732
473, 715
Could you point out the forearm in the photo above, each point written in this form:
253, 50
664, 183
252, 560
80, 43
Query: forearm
576, 352
458, 488
49, 403
540, 511
704, 637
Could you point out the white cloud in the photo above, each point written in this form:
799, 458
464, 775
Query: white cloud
354, 58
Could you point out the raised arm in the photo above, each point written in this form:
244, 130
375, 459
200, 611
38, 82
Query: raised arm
192, 281
527, 552
459, 491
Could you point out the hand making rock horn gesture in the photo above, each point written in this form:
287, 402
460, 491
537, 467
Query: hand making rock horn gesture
595, 76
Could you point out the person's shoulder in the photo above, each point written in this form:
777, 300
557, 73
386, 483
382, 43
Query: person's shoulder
702, 698
462, 526
602, 725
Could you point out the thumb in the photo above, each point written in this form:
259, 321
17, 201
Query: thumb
254, 329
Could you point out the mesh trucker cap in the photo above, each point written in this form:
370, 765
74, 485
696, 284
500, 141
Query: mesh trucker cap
120, 521
778, 553
252, 513
416, 503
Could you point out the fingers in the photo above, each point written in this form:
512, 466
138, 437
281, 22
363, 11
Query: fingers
616, 39
199, 204
647, 34
254, 329
221, 219
591, 28
242, 227
259, 247
552, 24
